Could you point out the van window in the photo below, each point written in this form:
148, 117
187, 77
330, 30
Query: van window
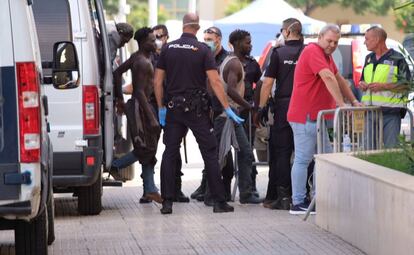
53, 24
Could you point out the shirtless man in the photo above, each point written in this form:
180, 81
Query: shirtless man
142, 121
232, 76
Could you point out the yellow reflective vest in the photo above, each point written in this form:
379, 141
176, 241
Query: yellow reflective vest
383, 73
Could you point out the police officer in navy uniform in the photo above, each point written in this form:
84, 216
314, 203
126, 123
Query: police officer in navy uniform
282, 66
186, 64
252, 75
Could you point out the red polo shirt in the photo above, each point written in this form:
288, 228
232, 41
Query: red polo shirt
310, 95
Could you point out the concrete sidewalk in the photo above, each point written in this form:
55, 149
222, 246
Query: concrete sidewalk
127, 227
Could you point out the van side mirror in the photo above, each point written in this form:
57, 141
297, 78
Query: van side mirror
65, 74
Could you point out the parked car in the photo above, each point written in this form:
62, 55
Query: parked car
26, 166
81, 114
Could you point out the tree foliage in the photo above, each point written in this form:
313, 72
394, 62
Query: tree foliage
236, 5
404, 18
138, 17
380, 7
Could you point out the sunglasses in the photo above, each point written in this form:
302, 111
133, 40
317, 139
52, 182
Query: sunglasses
211, 31
159, 36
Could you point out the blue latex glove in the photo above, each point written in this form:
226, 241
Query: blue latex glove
233, 116
162, 113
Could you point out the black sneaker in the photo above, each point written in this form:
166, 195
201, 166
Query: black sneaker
181, 198
114, 171
222, 207
208, 201
282, 203
166, 206
198, 192
300, 209
144, 200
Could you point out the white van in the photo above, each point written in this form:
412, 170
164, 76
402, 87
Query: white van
81, 115
26, 194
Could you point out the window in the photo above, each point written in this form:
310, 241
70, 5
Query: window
53, 24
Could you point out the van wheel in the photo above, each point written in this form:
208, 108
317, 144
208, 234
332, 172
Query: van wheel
31, 237
90, 198
51, 220
127, 173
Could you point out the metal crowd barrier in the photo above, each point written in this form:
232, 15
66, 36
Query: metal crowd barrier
353, 129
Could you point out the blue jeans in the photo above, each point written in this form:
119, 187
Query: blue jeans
305, 141
147, 174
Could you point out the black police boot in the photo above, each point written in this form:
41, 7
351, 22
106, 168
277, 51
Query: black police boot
199, 192
166, 206
227, 189
222, 207
179, 195
283, 200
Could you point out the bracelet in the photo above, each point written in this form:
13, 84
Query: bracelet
355, 101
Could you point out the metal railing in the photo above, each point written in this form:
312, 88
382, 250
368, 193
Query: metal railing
353, 129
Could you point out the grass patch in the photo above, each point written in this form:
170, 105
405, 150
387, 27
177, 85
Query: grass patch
391, 159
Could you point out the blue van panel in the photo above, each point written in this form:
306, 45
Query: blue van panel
9, 148
9, 192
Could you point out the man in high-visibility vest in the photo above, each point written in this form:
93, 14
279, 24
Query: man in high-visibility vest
384, 72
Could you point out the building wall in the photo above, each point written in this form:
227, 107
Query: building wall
335, 13
212, 9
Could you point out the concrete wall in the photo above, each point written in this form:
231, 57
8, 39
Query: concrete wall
370, 206
212, 9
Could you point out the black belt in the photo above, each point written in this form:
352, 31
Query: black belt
179, 102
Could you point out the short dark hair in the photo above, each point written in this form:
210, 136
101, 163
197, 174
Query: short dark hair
293, 26
163, 27
125, 29
142, 34
238, 35
379, 32
214, 30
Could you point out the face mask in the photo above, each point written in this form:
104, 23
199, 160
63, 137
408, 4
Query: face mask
158, 43
211, 45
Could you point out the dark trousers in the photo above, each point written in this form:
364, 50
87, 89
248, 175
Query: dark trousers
244, 155
250, 132
280, 151
177, 122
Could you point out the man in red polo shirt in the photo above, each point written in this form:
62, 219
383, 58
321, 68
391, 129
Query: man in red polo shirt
317, 86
